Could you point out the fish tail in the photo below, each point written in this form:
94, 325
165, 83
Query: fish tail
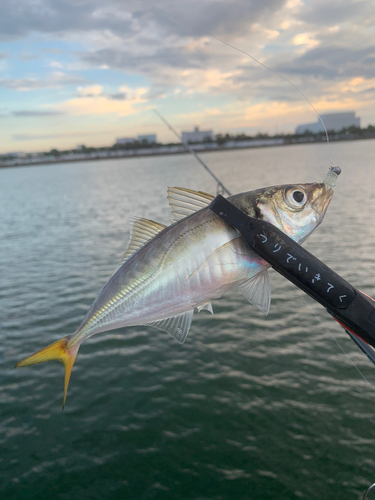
58, 350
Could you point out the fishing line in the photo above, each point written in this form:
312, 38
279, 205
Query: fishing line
217, 180
371, 384
368, 491
251, 57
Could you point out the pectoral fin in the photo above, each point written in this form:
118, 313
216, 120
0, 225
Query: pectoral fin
177, 326
257, 290
230, 254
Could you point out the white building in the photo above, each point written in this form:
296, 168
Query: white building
125, 140
196, 136
332, 121
149, 138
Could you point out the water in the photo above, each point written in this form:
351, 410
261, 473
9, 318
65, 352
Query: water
249, 407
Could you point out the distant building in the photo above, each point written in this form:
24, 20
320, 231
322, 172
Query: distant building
16, 154
125, 140
332, 121
80, 147
196, 136
150, 138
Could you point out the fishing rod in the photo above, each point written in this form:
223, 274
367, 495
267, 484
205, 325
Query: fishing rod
351, 308
191, 150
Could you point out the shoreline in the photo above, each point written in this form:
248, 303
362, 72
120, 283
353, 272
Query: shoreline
162, 151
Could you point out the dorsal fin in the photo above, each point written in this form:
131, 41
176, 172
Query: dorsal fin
142, 230
184, 202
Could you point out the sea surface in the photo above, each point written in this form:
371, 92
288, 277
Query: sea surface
250, 407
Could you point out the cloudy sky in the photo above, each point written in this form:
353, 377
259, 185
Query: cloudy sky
87, 71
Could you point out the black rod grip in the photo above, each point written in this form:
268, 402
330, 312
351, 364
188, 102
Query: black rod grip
345, 303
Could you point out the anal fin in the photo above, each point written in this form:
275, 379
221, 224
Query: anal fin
205, 305
177, 326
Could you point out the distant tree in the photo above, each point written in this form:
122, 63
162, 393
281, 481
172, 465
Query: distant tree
222, 139
242, 137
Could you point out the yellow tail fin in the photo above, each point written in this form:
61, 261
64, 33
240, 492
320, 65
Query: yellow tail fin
58, 350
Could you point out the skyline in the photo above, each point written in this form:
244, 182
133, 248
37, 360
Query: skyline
80, 73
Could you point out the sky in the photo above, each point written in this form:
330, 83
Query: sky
87, 71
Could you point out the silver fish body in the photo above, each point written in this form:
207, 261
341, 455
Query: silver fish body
169, 275
168, 272
198, 259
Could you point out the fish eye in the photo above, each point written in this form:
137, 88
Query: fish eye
296, 198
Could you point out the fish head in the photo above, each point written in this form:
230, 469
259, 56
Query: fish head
295, 209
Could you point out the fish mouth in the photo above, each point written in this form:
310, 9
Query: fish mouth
329, 184
325, 193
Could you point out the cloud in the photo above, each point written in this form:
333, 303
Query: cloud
36, 113
27, 56
97, 90
305, 39
56, 64
197, 18
333, 62
213, 111
57, 135
194, 18
160, 41
171, 48
18, 19
92, 101
53, 51
91, 91
321, 13
56, 80
325, 50
144, 61
33, 137
120, 96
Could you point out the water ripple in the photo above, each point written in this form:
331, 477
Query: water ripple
250, 406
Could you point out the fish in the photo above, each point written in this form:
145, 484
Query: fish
167, 272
